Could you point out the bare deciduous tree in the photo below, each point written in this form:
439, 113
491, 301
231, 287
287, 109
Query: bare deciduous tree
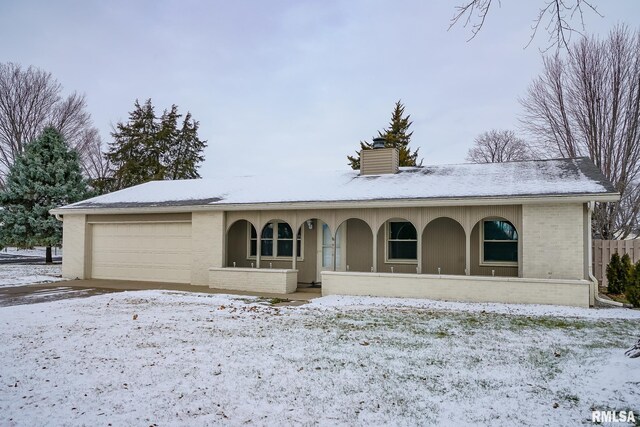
588, 104
90, 146
29, 101
557, 17
496, 146
95, 164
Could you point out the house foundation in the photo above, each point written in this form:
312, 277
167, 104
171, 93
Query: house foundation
512, 290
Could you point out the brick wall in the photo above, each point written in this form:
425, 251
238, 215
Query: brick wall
207, 245
74, 235
277, 281
458, 288
552, 241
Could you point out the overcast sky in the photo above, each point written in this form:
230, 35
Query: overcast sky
292, 85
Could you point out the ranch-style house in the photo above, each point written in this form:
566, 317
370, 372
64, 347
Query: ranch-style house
515, 232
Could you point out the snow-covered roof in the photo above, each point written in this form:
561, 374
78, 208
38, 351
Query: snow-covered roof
540, 178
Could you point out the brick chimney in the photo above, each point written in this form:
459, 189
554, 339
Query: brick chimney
379, 160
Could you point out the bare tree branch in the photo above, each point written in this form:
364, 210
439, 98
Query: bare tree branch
91, 150
474, 8
497, 146
30, 100
588, 104
559, 16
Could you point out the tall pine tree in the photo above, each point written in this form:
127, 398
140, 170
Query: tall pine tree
46, 176
149, 148
396, 135
185, 156
131, 154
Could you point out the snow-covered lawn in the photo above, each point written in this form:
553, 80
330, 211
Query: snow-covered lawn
140, 358
37, 251
19, 275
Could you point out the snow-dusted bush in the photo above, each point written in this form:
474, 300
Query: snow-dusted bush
614, 268
633, 287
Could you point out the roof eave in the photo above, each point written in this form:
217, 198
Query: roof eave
380, 203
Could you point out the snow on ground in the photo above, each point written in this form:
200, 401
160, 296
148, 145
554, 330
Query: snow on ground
362, 303
173, 358
19, 275
36, 251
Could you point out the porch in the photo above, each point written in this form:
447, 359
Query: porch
478, 241
428, 252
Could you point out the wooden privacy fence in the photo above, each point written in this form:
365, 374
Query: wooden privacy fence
602, 251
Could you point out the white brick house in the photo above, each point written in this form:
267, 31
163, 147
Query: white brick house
510, 232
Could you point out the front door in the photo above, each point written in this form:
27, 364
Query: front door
325, 249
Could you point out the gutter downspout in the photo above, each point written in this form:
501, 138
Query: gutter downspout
594, 283
592, 279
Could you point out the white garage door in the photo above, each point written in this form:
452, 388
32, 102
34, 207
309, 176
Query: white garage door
159, 252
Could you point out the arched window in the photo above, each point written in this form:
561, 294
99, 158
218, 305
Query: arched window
402, 241
499, 242
275, 244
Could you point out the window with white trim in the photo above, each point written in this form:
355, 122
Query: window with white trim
278, 244
402, 241
499, 242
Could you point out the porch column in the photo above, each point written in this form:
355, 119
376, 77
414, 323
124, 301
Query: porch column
588, 253
467, 264
258, 248
294, 261
419, 252
333, 252
375, 252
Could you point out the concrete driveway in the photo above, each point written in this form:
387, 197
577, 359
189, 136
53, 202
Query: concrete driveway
302, 294
45, 292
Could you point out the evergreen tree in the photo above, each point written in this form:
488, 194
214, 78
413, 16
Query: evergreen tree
102, 185
46, 176
186, 154
396, 135
131, 153
626, 271
155, 148
614, 271
633, 288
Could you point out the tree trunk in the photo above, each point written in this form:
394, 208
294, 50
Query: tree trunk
48, 258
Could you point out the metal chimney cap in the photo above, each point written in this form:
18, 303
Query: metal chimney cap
379, 142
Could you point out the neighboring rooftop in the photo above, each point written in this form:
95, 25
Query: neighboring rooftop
560, 177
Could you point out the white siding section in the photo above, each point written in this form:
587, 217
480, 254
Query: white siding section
379, 161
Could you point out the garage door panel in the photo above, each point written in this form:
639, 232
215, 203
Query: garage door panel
177, 274
133, 258
148, 244
142, 251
